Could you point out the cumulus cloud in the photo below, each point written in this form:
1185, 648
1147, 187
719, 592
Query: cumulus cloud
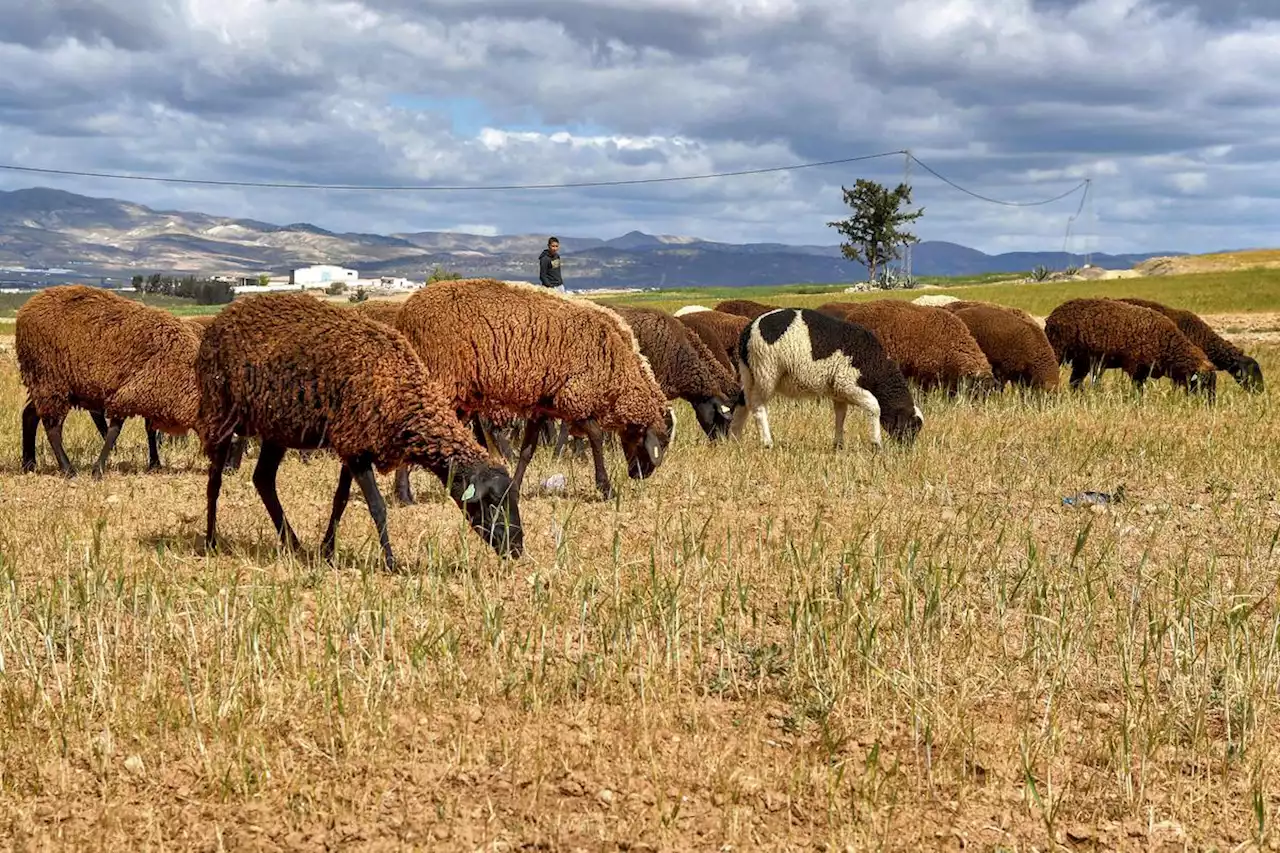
1165, 106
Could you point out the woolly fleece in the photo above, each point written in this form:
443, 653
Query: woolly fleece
720, 332
1110, 333
86, 347
818, 356
1019, 351
933, 347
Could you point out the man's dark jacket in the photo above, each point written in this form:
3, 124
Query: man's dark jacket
549, 269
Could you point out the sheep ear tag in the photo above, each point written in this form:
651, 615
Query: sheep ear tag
469, 493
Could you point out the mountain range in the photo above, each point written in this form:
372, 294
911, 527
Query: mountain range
83, 236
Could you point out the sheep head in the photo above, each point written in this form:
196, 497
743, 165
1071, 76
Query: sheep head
484, 494
902, 424
645, 446
1248, 373
1204, 382
714, 416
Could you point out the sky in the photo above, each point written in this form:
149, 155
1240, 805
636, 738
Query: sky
1168, 108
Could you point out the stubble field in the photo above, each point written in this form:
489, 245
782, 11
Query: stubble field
786, 649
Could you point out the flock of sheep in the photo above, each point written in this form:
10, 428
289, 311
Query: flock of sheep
438, 379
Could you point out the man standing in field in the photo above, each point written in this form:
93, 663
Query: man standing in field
549, 266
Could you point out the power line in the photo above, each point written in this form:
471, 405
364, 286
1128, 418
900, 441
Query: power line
440, 188
117, 176
952, 183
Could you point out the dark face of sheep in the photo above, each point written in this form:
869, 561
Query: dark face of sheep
902, 425
1248, 373
644, 447
484, 495
714, 416
1205, 382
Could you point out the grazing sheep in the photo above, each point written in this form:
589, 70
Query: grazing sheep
86, 347
933, 347
1018, 351
519, 349
934, 300
720, 332
201, 321
745, 308
1224, 354
298, 373
690, 309
1093, 335
685, 367
801, 353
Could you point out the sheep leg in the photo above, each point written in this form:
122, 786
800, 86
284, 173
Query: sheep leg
761, 414
404, 495
1140, 375
235, 453
108, 444
527, 447
841, 411
562, 438
99, 421
153, 447
340, 498
1079, 370
362, 471
30, 420
53, 431
264, 480
595, 437
217, 460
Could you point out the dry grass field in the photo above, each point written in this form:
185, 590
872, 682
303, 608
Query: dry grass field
791, 649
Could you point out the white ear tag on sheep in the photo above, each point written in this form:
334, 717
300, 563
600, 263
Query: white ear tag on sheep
469, 493
724, 410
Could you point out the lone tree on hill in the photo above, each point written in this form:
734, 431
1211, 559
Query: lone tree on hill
874, 232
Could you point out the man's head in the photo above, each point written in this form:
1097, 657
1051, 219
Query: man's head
554, 245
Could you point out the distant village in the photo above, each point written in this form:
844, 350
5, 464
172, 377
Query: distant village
339, 279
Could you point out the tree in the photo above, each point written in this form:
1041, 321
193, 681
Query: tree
264, 279
440, 274
874, 233
138, 282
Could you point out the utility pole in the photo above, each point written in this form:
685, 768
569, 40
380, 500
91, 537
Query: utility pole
906, 247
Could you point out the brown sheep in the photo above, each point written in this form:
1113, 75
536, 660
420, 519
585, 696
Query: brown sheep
86, 347
720, 332
518, 349
487, 432
685, 367
1224, 354
298, 373
1093, 335
1018, 350
932, 346
745, 308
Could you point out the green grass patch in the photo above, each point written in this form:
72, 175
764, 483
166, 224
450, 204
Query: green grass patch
1206, 293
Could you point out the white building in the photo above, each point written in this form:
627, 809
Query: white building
322, 274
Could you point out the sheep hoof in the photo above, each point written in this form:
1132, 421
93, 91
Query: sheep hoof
28, 467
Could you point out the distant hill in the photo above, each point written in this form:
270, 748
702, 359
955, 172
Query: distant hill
48, 228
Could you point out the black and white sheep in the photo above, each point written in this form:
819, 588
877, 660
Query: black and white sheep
802, 353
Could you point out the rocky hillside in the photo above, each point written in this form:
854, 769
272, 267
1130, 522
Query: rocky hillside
47, 228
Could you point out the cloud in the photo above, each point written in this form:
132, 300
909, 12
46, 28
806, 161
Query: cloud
1166, 107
